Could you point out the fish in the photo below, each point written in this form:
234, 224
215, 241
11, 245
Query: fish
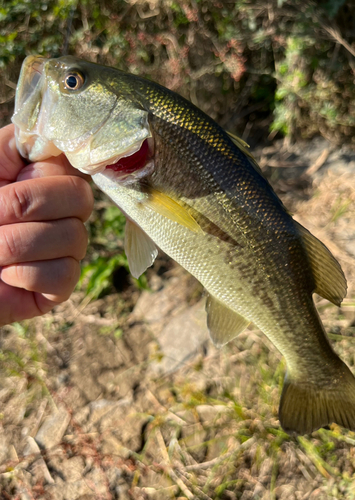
193, 190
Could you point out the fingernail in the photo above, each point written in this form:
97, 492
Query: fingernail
12, 144
30, 172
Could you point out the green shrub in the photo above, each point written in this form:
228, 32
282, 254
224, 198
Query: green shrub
232, 59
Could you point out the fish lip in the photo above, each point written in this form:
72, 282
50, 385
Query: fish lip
28, 101
30, 80
37, 64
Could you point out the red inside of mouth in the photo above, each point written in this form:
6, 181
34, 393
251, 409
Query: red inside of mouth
134, 162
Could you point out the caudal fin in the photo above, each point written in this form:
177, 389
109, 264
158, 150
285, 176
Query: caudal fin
305, 407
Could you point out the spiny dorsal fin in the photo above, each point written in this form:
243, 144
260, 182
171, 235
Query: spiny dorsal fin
243, 146
141, 251
166, 206
223, 323
328, 275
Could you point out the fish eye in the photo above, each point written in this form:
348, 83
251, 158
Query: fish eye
73, 80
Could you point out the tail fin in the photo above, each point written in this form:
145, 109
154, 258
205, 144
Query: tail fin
305, 407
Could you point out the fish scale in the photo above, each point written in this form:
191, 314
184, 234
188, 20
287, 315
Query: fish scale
205, 260
202, 199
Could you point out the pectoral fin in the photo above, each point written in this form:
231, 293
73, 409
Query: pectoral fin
166, 206
328, 276
223, 323
141, 251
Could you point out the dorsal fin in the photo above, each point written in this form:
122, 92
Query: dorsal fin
223, 323
328, 275
243, 146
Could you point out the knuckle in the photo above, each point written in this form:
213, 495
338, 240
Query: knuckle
20, 201
8, 245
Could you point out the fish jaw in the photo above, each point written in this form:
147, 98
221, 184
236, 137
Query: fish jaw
29, 98
50, 121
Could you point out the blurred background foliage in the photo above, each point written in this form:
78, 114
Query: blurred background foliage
277, 66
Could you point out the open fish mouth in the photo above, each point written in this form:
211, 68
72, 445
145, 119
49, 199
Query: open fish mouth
133, 165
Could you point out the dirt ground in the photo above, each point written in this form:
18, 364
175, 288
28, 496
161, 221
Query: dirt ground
127, 398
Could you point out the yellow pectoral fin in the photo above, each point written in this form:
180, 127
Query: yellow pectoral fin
167, 207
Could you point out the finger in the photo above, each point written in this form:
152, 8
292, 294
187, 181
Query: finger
46, 199
21, 304
24, 304
36, 241
58, 165
14, 167
10, 160
56, 279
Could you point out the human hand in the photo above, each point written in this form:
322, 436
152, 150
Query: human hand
43, 207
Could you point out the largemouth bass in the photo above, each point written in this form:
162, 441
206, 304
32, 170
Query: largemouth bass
188, 187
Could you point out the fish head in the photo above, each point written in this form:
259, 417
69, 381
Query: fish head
83, 110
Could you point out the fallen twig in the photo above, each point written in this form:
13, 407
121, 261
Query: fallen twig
218, 460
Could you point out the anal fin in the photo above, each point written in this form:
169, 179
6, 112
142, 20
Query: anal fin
141, 251
223, 323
